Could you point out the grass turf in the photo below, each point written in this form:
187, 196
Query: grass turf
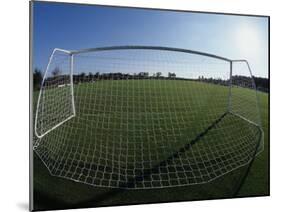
53, 192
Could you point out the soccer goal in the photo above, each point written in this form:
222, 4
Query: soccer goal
141, 117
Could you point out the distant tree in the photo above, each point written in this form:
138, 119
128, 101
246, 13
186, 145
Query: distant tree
91, 76
117, 76
97, 74
56, 71
143, 74
171, 75
82, 77
37, 78
134, 76
158, 74
201, 78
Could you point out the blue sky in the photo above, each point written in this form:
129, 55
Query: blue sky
74, 27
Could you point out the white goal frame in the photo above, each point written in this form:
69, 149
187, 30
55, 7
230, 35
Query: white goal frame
73, 53
40, 93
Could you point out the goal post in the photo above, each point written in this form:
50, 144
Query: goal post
55, 104
146, 116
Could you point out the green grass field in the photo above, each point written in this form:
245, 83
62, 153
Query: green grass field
143, 111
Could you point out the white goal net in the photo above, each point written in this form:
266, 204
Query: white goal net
145, 117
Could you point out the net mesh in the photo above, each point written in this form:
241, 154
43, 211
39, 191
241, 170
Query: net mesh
145, 118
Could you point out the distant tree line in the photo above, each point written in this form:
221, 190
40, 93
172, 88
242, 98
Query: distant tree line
90, 77
57, 77
262, 84
212, 80
37, 79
